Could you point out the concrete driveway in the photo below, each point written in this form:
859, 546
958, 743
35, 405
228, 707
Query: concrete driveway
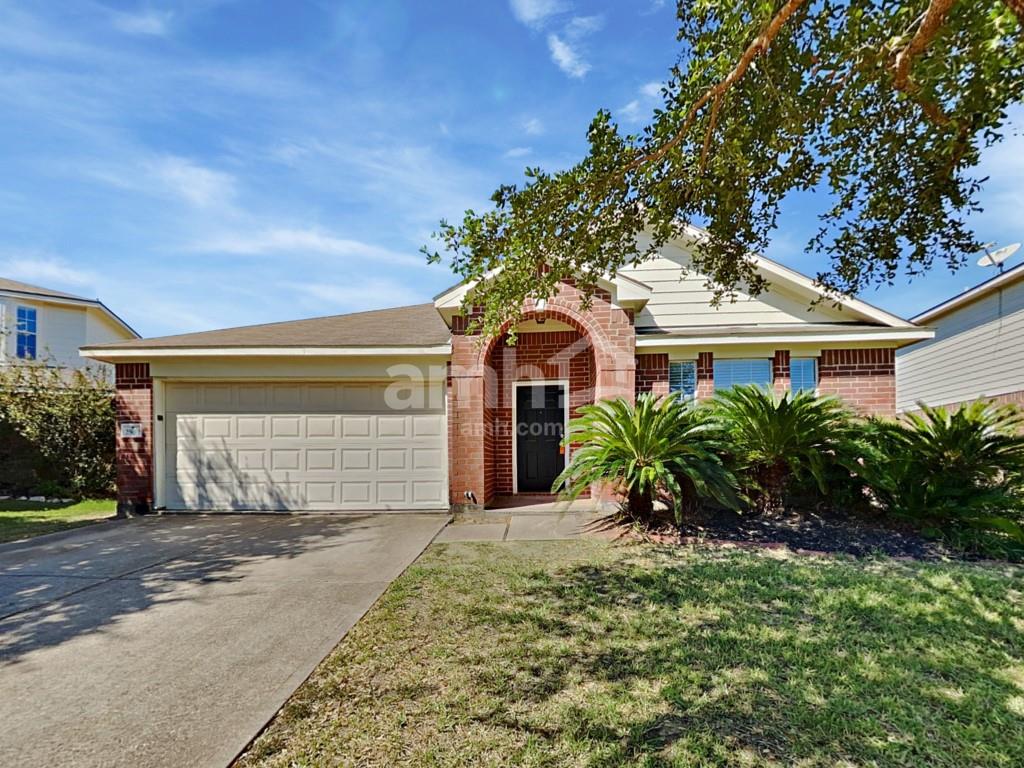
170, 641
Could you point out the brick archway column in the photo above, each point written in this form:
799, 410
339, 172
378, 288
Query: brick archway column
472, 388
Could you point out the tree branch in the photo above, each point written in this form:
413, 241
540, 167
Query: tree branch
710, 130
1017, 6
930, 24
756, 48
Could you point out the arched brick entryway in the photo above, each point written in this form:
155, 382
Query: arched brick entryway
595, 354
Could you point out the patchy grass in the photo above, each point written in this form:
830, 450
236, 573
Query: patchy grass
590, 654
24, 519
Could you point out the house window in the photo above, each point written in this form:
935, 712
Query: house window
729, 373
803, 374
25, 336
682, 378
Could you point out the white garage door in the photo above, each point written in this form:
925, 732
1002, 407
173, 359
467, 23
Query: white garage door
317, 446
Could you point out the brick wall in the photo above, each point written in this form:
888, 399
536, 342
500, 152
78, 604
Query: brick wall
477, 450
134, 403
705, 375
780, 371
652, 374
863, 378
566, 355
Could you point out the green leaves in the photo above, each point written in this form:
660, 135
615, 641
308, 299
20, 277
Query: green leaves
776, 438
950, 468
69, 417
853, 100
659, 446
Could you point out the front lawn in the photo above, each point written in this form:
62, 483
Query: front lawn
592, 654
23, 519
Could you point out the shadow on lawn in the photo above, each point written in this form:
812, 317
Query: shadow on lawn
733, 658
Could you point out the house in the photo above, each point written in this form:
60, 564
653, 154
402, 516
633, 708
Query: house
40, 324
977, 351
403, 408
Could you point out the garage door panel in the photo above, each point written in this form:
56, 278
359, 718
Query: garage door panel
321, 460
285, 426
254, 427
427, 492
306, 446
321, 427
392, 426
355, 426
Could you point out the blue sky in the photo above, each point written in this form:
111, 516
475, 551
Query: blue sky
213, 163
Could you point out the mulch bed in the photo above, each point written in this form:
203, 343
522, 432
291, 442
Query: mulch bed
812, 532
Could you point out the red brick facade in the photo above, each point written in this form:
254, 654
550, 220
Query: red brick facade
600, 350
652, 374
863, 378
134, 403
547, 356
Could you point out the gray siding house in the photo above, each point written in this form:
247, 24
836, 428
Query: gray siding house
977, 351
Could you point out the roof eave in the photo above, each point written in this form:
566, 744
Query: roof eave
114, 354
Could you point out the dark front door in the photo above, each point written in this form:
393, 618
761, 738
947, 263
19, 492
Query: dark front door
540, 422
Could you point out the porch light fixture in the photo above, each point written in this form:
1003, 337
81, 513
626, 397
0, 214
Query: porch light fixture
542, 305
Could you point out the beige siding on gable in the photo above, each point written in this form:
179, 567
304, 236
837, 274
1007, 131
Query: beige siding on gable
680, 300
978, 351
61, 330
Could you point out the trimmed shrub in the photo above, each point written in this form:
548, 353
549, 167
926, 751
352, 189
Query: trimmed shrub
954, 473
68, 418
656, 447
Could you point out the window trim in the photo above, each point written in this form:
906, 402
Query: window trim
22, 335
693, 365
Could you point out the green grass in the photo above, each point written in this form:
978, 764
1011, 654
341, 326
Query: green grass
24, 519
591, 654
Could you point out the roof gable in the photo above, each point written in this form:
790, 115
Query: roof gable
681, 297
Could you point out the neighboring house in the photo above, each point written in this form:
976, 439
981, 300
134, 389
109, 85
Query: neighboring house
40, 324
402, 409
977, 351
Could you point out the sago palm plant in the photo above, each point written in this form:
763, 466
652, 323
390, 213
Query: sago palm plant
950, 469
658, 446
775, 438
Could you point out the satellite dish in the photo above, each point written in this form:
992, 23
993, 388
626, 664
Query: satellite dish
997, 257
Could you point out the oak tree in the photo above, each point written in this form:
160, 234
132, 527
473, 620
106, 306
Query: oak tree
881, 108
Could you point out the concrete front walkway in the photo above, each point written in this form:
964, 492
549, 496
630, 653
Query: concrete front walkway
170, 641
524, 526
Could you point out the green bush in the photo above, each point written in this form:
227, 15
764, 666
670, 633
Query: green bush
954, 473
775, 440
68, 418
656, 447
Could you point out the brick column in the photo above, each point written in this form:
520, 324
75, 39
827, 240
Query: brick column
705, 375
780, 372
652, 374
134, 403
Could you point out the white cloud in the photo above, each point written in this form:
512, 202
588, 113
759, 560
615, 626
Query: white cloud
302, 241
652, 89
355, 294
533, 127
46, 271
631, 112
194, 183
581, 26
518, 152
639, 108
566, 57
155, 23
535, 13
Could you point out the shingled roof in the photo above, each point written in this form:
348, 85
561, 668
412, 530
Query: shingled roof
16, 287
419, 325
